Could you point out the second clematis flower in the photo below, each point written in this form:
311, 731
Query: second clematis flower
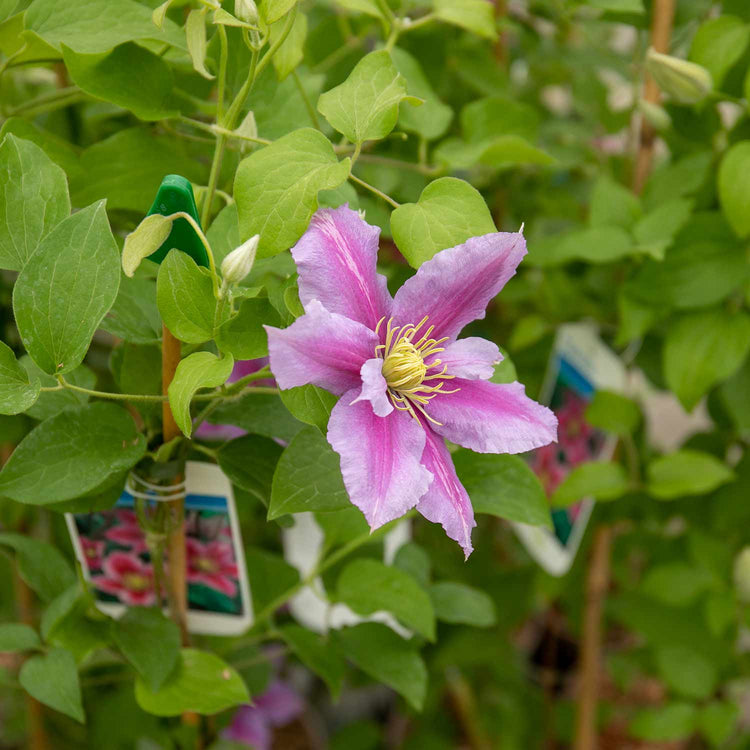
406, 381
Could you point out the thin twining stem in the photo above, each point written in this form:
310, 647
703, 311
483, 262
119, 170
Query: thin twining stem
373, 189
229, 392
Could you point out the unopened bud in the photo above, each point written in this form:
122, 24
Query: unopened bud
742, 575
684, 81
246, 11
239, 262
656, 116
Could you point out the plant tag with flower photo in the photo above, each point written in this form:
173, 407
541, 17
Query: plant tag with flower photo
113, 551
580, 365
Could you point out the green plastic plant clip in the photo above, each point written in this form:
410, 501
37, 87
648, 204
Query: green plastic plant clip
176, 194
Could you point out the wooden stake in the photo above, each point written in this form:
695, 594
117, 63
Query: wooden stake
597, 584
176, 571
661, 31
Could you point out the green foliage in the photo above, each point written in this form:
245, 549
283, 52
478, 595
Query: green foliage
202, 683
52, 679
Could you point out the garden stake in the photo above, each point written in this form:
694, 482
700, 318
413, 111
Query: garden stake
661, 31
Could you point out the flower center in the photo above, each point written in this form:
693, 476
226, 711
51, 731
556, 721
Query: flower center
206, 565
406, 373
136, 582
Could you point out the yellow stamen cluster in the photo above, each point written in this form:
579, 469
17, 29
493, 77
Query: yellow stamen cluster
405, 370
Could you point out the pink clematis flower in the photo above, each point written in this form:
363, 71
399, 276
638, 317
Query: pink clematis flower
406, 382
127, 578
212, 564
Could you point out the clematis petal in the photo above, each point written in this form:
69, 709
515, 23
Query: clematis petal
374, 388
492, 418
473, 358
455, 286
322, 348
336, 260
446, 501
380, 459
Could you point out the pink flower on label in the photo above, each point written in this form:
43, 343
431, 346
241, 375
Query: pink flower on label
127, 532
125, 576
92, 551
212, 564
575, 432
406, 382
546, 465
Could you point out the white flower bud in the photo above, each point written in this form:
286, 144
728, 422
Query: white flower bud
742, 575
656, 116
246, 11
686, 82
240, 261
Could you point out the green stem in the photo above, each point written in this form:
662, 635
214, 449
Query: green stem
213, 179
372, 189
236, 106
306, 99
290, 18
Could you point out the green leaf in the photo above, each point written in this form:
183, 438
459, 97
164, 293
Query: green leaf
613, 413
387, 658
476, 16
717, 721
734, 187
272, 576
71, 454
718, 44
185, 297
656, 231
613, 204
686, 672
150, 641
431, 119
260, 414
129, 76
595, 245
485, 119
461, 604
244, 336
40, 565
273, 10
369, 7
33, 200
66, 288
202, 683
735, 395
703, 349
602, 480
50, 403
18, 391
365, 106
414, 560
316, 654
276, 188
52, 679
291, 53
307, 477
144, 240
195, 31
134, 317
369, 586
686, 472
92, 26
199, 370
504, 152
503, 486
675, 721
250, 462
449, 211
15, 636
128, 167
619, 6
309, 404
